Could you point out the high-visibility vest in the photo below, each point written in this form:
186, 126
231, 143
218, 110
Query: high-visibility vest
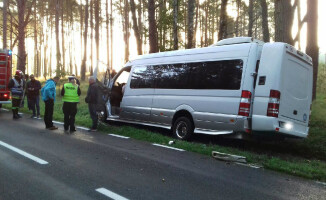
71, 93
18, 89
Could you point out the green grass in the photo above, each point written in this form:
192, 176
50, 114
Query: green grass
305, 158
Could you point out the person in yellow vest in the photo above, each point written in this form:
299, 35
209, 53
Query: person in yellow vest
70, 93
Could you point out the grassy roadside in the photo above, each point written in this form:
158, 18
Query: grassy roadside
304, 158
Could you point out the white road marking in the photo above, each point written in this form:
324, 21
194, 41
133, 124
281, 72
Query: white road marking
249, 165
23, 153
322, 183
119, 136
168, 147
110, 194
58, 122
4, 109
83, 128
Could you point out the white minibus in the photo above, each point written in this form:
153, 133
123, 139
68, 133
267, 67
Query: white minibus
237, 87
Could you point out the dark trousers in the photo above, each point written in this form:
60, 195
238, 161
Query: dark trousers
15, 105
92, 112
69, 111
34, 102
48, 113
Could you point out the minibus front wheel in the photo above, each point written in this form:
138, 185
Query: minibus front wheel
183, 128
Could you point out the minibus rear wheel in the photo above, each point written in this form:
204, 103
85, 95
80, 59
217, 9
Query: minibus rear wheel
183, 128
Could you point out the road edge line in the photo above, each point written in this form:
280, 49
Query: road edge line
23, 153
110, 194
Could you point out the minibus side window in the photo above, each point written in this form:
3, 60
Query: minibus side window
142, 77
173, 76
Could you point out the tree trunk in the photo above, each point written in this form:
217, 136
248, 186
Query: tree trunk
107, 32
191, 14
251, 17
126, 29
140, 23
135, 27
153, 42
196, 23
92, 33
83, 66
21, 62
36, 64
63, 67
312, 48
4, 28
223, 21
237, 19
284, 14
11, 30
206, 24
263, 5
58, 53
175, 24
81, 23
111, 33
97, 31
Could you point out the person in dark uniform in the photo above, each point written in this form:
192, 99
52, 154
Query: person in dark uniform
33, 96
16, 85
70, 93
91, 99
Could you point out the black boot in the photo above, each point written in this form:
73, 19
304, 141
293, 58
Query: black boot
18, 115
14, 116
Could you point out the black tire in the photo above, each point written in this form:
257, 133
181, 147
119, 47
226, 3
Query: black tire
183, 128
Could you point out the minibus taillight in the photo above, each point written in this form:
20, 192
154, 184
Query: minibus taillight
244, 108
273, 103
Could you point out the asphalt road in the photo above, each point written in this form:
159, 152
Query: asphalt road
99, 166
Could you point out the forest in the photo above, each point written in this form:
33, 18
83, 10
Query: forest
61, 37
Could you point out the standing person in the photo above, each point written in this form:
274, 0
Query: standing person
91, 99
16, 85
70, 93
48, 96
33, 96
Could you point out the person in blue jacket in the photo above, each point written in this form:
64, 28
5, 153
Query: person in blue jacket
48, 93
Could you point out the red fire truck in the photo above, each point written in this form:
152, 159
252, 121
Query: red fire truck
5, 75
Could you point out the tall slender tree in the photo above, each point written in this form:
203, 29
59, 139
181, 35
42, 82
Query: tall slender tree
223, 21
136, 27
107, 31
83, 66
92, 33
4, 24
97, 30
111, 32
63, 66
312, 48
153, 39
36, 52
264, 21
251, 17
22, 23
126, 29
284, 13
58, 53
175, 24
191, 14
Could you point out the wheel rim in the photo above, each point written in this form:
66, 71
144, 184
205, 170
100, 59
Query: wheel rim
181, 129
